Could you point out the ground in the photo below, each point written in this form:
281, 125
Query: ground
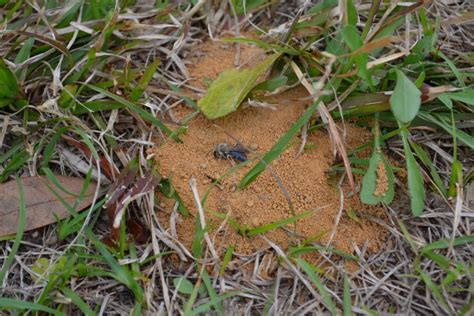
304, 177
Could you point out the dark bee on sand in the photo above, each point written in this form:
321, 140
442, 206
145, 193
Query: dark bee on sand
226, 151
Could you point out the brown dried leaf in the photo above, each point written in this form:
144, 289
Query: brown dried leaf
109, 169
41, 203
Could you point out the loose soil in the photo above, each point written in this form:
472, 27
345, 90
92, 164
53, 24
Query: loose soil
304, 177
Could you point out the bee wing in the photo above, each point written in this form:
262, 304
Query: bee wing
240, 148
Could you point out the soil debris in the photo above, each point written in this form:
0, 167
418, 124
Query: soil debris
305, 178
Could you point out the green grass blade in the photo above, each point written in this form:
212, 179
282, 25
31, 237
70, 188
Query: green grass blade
416, 186
9, 304
327, 300
133, 107
347, 303
121, 273
206, 307
212, 293
444, 243
19, 234
425, 159
266, 228
434, 289
227, 257
77, 300
278, 148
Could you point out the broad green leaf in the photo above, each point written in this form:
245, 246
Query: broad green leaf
374, 181
66, 100
415, 179
406, 99
183, 285
8, 86
231, 87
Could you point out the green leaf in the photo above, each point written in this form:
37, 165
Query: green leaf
266, 228
447, 126
351, 13
24, 52
77, 300
466, 96
444, 243
435, 290
183, 285
227, 257
271, 84
354, 41
43, 267
121, 273
145, 79
19, 234
206, 307
425, 159
415, 180
246, 6
406, 99
8, 86
346, 301
456, 177
377, 164
133, 107
212, 292
309, 270
445, 100
231, 87
351, 37
10, 304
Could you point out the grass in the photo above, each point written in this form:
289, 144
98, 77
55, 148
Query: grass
94, 82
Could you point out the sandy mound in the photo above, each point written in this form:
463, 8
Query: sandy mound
305, 178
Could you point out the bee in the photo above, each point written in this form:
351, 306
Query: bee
226, 151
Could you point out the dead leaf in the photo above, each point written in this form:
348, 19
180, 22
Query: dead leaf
109, 169
41, 203
127, 188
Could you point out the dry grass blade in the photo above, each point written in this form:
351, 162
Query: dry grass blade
325, 115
